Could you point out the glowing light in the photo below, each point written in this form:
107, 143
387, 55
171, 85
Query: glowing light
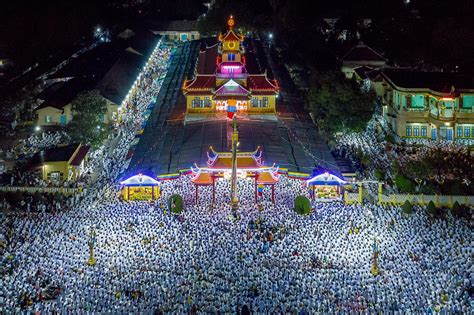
37, 128
447, 99
270, 35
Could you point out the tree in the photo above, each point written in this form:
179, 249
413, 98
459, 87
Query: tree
175, 204
407, 208
87, 124
404, 184
339, 104
302, 205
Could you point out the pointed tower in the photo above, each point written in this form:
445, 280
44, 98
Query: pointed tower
222, 83
231, 62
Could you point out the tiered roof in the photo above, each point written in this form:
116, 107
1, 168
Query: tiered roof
260, 84
230, 36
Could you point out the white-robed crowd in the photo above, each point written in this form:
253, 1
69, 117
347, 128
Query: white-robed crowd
212, 259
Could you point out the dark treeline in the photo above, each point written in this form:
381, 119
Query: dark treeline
429, 33
31, 31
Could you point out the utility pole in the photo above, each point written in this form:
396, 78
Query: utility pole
234, 200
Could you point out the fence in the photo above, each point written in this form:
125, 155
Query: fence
438, 200
52, 190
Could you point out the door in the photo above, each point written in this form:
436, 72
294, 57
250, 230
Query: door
184, 37
434, 133
62, 119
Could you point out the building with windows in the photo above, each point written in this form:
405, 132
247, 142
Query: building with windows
430, 105
361, 57
179, 30
62, 163
222, 83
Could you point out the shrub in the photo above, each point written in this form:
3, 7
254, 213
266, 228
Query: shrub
175, 204
431, 209
458, 211
302, 205
407, 208
379, 174
404, 184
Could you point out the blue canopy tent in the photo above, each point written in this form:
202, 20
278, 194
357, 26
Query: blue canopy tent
326, 180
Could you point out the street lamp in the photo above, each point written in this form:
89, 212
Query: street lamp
270, 36
375, 254
92, 237
37, 128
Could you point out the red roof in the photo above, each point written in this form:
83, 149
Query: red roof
266, 178
200, 82
207, 60
80, 155
231, 97
203, 179
261, 82
231, 36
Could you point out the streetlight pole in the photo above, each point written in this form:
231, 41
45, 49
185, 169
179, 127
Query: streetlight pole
92, 235
234, 200
375, 250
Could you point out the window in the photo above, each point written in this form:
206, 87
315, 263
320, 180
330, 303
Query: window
467, 132
265, 102
196, 102
254, 102
207, 101
231, 57
459, 132
48, 119
408, 132
192, 36
416, 131
424, 132
472, 132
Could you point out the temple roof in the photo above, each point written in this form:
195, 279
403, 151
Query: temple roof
231, 88
243, 162
207, 60
203, 179
261, 82
266, 178
231, 36
231, 97
201, 82
326, 178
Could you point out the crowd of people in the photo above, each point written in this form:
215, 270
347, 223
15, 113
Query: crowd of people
267, 258
262, 257
371, 150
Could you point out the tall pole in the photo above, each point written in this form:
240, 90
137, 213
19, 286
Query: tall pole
91, 261
233, 185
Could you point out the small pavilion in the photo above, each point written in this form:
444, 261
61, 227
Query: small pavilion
219, 165
140, 187
326, 185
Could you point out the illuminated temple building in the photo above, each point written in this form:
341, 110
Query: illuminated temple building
222, 83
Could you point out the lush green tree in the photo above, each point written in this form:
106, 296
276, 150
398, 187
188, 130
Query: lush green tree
302, 205
407, 208
87, 124
175, 204
404, 184
339, 104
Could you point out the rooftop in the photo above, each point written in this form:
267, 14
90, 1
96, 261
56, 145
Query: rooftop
61, 94
362, 52
177, 25
119, 79
436, 81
